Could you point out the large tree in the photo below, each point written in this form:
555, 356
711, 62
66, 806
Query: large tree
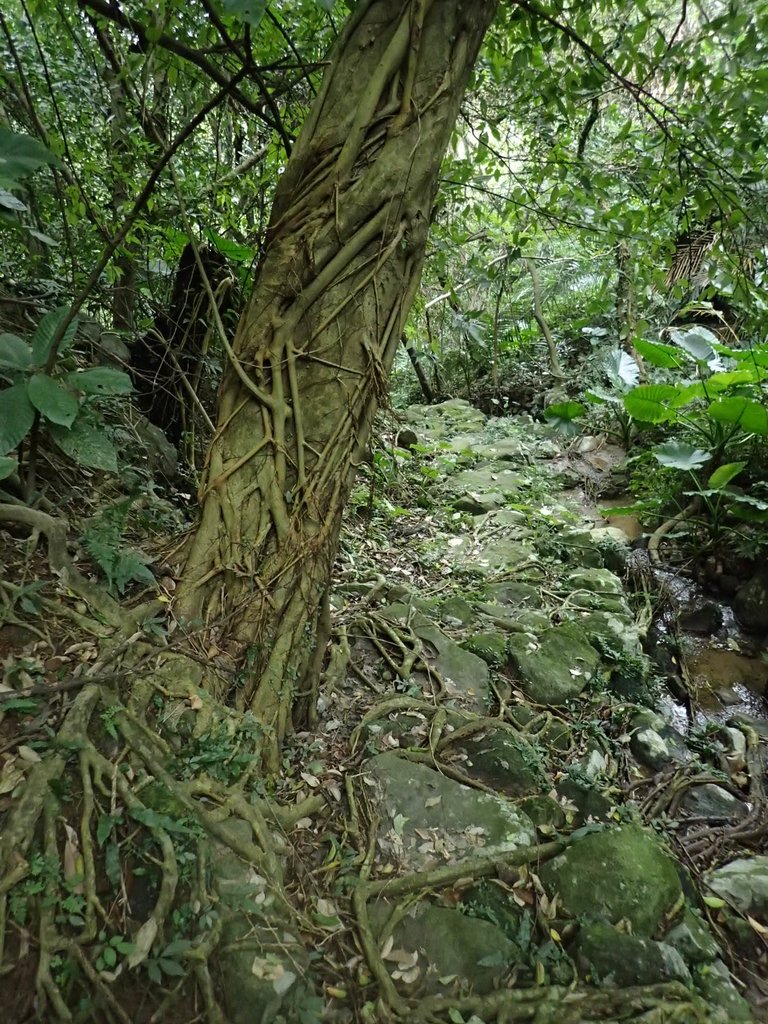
309, 363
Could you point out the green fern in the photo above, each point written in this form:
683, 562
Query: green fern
103, 541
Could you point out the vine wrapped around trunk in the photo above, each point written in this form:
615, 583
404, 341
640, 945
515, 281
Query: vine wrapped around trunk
311, 356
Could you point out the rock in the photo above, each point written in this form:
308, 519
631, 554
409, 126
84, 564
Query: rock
502, 554
601, 582
428, 819
406, 439
589, 802
447, 944
693, 939
711, 801
513, 594
614, 957
490, 484
458, 609
479, 502
464, 674
759, 725
655, 743
504, 761
751, 603
491, 647
160, 455
615, 873
555, 666
704, 617
446, 418
714, 983
744, 884
248, 970
613, 544
616, 635
543, 810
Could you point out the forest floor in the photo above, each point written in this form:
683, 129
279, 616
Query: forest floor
499, 813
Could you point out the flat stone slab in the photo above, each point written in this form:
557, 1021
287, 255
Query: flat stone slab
428, 820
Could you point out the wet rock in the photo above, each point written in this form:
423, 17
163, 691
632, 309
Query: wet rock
655, 743
727, 1004
711, 801
554, 666
614, 957
693, 939
504, 761
704, 617
428, 819
751, 602
744, 884
432, 943
615, 873
759, 725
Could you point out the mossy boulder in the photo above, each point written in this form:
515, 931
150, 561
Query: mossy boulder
610, 956
504, 761
613, 874
444, 949
554, 666
490, 646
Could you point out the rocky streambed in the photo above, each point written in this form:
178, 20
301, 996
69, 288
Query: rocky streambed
503, 700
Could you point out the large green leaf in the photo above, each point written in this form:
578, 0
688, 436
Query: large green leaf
19, 155
17, 414
750, 415
561, 416
87, 445
697, 342
622, 369
7, 466
747, 374
14, 352
101, 380
679, 455
649, 403
46, 332
723, 475
688, 393
53, 400
665, 356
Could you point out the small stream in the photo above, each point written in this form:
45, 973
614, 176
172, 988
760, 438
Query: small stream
725, 669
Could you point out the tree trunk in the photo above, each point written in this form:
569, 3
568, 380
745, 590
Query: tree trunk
312, 353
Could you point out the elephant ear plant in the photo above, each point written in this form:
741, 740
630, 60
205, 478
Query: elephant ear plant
709, 399
43, 389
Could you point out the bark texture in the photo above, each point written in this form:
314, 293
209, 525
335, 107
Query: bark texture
311, 356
